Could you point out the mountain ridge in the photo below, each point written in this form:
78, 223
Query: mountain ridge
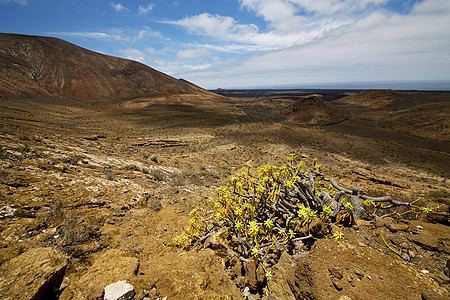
48, 66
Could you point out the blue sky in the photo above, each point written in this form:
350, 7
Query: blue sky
254, 43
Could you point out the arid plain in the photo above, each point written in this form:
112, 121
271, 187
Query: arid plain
101, 185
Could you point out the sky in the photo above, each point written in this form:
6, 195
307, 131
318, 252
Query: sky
255, 43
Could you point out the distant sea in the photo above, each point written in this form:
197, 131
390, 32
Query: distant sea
391, 85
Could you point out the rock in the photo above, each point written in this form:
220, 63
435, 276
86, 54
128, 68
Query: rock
236, 270
426, 241
318, 228
444, 247
298, 245
217, 245
430, 295
336, 272
299, 255
91, 137
246, 292
380, 222
359, 273
15, 180
441, 278
34, 274
154, 203
301, 282
7, 211
438, 217
361, 222
277, 286
254, 274
337, 285
120, 290
394, 227
447, 268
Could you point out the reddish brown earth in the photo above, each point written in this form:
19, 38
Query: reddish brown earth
34, 65
92, 191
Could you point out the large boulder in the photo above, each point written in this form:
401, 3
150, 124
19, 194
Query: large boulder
35, 274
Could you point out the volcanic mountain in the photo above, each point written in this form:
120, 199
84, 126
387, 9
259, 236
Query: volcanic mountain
313, 111
44, 66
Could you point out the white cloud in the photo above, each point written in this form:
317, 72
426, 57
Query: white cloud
172, 67
133, 54
148, 33
192, 53
21, 2
93, 35
152, 51
119, 7
194, 64
115, 34
289, 22
220, 27
142, 10
246, 37
379, 46
308, 15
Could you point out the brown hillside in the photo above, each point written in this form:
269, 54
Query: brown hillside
34, 65
313, 111
427, 120
370, 98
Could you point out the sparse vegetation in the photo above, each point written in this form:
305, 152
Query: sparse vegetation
54, 213
263, 212
109, 175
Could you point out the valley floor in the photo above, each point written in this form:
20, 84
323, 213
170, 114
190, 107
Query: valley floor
106, 186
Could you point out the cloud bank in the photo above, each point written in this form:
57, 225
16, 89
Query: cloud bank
327, 41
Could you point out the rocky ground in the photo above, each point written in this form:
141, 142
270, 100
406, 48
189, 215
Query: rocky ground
91, 195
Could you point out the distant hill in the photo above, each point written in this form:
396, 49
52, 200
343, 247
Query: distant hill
313, 111
34, 65
423, 114
393, 100
370, 98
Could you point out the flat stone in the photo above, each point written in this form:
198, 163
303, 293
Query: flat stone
426, 241
33, 274
380, 222
120, 290
361, 222
394, 227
